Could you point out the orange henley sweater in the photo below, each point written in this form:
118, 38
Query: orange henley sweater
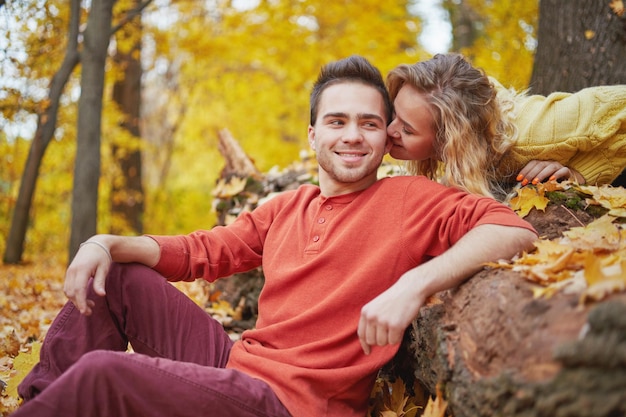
323, 259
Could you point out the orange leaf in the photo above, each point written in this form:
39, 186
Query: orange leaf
599, 235
436, 407
528, 198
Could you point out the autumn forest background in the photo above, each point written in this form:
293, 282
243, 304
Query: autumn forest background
110, 111
203, 66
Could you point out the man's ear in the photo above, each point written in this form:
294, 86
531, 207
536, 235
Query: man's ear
311, 136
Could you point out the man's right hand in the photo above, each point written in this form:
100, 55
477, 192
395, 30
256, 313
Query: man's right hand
92, 260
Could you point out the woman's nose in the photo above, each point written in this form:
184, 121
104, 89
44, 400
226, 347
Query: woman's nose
392, 130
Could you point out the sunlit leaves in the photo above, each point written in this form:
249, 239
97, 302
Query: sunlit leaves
506, 41
528, 198
20, 367
251, 70
588, 260
610, 198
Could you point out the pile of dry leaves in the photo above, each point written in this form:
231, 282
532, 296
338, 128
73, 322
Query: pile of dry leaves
589, 260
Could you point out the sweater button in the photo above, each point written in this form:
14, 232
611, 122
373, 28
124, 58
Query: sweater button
329, 207
316, 238
321, 220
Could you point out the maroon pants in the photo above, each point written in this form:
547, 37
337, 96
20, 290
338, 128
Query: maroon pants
177, 368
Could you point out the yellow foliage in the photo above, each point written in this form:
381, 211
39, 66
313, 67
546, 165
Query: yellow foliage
505, 46
600, 236
608, 197
527, 198
22, 365
589, 260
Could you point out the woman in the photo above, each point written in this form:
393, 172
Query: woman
455, 124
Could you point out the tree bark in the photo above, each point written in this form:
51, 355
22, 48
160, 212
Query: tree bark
505, 354
87, 167
237, 162
127, 196
500, 352
581, 43
46, 124
464, 22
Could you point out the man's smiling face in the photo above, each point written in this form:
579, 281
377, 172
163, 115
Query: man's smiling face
349, 137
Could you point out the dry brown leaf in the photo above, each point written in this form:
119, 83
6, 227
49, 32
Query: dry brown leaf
9, 342
555, 185
230, 188
396, 402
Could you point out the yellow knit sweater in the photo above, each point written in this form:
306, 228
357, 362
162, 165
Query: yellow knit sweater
585, 131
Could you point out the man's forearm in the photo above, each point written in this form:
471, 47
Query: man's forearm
124, 249
384, 319
485, 243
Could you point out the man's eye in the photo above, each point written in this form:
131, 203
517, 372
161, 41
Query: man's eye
404, 130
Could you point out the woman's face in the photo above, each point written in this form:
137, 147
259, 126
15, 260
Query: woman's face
411, 131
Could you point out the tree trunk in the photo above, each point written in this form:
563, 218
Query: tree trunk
46, 124
87, 167
464, 22
127, 196
581, 43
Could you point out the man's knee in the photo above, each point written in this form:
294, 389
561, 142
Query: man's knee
100, 361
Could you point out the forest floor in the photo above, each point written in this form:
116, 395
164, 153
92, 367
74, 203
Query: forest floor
31, 295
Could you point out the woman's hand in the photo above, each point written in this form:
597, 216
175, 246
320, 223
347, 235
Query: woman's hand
537, 171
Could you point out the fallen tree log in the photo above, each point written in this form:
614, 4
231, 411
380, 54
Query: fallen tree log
498, 351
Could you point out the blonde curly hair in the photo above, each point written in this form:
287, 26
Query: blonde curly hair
473, 126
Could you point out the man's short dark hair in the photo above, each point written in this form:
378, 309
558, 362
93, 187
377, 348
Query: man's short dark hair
352, 69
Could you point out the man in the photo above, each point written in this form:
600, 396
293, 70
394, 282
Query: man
347, 266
